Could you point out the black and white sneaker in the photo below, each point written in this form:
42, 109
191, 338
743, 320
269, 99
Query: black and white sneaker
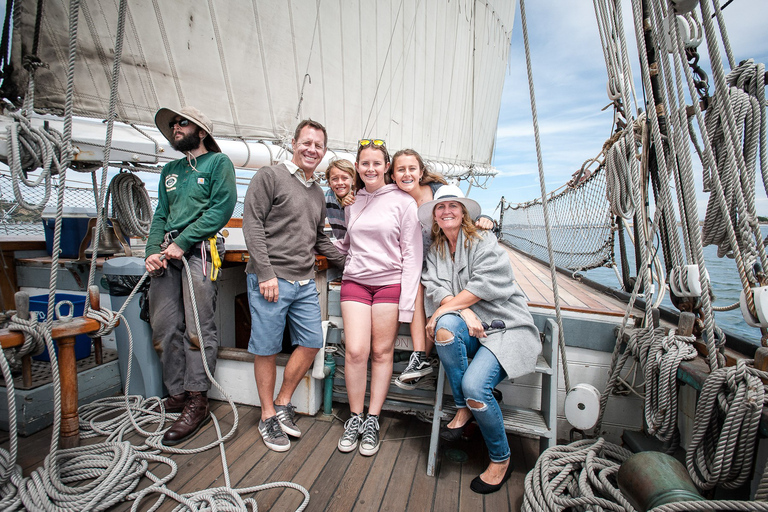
349, 438
273, 435
370, 442
418, 366
286, 415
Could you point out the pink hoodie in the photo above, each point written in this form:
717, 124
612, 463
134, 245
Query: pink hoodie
383, 243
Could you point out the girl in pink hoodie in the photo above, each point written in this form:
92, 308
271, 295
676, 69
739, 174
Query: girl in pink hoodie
381, 277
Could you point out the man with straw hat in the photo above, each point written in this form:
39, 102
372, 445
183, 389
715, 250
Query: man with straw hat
196, 198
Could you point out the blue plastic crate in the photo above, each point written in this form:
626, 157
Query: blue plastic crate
39, 305
73, 231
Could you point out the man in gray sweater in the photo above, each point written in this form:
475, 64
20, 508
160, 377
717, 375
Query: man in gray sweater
283, 222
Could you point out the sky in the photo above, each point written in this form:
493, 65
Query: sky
569, 76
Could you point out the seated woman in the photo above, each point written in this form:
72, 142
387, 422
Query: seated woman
468, 284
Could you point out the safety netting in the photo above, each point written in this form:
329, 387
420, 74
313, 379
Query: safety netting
18, 221
580, 221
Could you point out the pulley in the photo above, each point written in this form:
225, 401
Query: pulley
582, 406
685, 281
690, 31
760, 295
684, 6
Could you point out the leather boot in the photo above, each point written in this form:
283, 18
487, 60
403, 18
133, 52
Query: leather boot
195, 414
174, 403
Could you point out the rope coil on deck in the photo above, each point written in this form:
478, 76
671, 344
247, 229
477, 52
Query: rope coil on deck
579, 476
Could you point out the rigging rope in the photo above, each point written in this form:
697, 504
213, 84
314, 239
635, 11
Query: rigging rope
542, 185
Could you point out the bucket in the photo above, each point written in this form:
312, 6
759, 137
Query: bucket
38, 304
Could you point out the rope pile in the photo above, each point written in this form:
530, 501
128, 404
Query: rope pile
724, 439
660, 360
579, 476
130, 204
29, 149
738, 182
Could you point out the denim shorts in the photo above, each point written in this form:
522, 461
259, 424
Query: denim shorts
368, 294
296, 304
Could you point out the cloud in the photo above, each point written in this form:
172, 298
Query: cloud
569, 76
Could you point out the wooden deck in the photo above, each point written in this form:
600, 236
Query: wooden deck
394, 479
535, 280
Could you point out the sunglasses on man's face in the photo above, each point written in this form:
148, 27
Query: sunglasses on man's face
181, 122
368, 142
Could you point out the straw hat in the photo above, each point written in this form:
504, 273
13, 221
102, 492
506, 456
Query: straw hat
444, 194
166, 115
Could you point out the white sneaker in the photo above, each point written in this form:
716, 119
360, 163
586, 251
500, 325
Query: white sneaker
352, 426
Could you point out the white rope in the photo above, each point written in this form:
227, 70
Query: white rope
723, 442
544, 203
130, 204
579, 476
660, 363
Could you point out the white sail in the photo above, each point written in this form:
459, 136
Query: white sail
422, 74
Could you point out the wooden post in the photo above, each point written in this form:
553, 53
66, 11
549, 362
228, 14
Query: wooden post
761, 360
22, 311
686, 323
70, 428
95, 301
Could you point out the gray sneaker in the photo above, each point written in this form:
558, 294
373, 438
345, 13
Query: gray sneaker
352, 426
370, 442
285, 416
273, 435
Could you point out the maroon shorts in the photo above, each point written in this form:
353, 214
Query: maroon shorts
366, 294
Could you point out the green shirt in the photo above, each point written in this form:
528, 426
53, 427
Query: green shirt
197, 203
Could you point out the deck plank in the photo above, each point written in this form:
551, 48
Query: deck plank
301, 451
393, 480
535, 280
355, 476
384, 465
423, 488
405, 468
312, 469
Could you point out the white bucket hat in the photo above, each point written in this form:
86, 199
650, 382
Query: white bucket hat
165, 115
444, 194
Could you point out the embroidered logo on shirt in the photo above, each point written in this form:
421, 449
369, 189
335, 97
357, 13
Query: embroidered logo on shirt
201, 181
170, 182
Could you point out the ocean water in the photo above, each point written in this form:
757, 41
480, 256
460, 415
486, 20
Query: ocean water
725, 284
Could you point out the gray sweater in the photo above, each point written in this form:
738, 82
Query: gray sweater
283, 220
484, 270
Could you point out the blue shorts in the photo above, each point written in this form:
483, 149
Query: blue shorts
296, 304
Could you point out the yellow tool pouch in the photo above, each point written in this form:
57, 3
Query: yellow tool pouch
215, 259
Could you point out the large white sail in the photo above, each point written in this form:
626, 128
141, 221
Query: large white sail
424, 74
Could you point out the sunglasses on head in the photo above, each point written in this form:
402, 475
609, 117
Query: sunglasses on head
181, 122
368, 142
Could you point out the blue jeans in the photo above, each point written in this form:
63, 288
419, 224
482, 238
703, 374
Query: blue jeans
296, 304
474, 380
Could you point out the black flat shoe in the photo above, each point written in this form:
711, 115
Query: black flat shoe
481, 487
454, 434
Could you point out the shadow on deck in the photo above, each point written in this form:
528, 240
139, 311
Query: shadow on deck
394, 479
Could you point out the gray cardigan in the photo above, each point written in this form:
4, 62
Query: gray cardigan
484, 270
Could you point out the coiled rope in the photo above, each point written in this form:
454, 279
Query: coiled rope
31, 148
723, 443
660, 362
130, 204
578, 476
